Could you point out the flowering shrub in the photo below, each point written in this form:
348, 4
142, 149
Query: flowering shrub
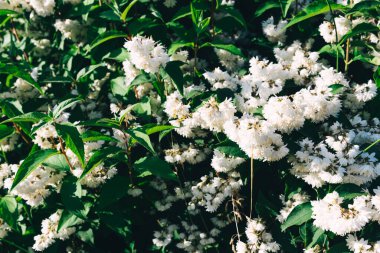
189, 126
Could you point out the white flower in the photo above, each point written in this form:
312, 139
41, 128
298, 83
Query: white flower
256, 138
329, 215
228, 60
259, 240
146, 54
283, 114
222, 163
36, 186
274, 33
365, 92
71, 29
221, 80
43, 7
49, 232
212, 115
328, 31
362, 246
4, 229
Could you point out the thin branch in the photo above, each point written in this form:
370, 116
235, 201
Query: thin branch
63, 151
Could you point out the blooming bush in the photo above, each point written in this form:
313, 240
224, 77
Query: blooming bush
189, 126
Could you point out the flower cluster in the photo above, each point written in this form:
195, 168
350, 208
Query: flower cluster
164, 125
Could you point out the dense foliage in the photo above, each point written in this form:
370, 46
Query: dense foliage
189, 126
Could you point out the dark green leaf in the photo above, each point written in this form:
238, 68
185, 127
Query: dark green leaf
88, 70
28, 117
31, 163
123, 16
359, 29
68, 219
142, 138
147, 166
72, 140
64, 105
299, 215
315, 8
92, 136
104, 37
174, 71
349, 191
71, 193
364, 6
179, 44
97, 158
57, 162
9, 211
5, 131
228, 47
267, 5
332, 50
18, 72
109, 195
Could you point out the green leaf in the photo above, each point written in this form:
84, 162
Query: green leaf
364, 6
101, 123
120, 55
174, 71
339, 248
317, 234
86, 236
160, 88
359, 29
123, 16
62, 106
72, 140
336, 88
182, 13
235, 14
88, 70
9, 211
141, 79
179, 44
57, 162
118, 86
147, 166
349, 191
315, 8
267, 5
71, 193
104, 37
142, 138
97, 158
68, 219
5, 131
108, 194
285, 6
299, 215
153, 128
228, 47
28, 117
18, 72
92, 136
117, 222
332, 50
31, 163
234, 151
5, 12
13, 109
